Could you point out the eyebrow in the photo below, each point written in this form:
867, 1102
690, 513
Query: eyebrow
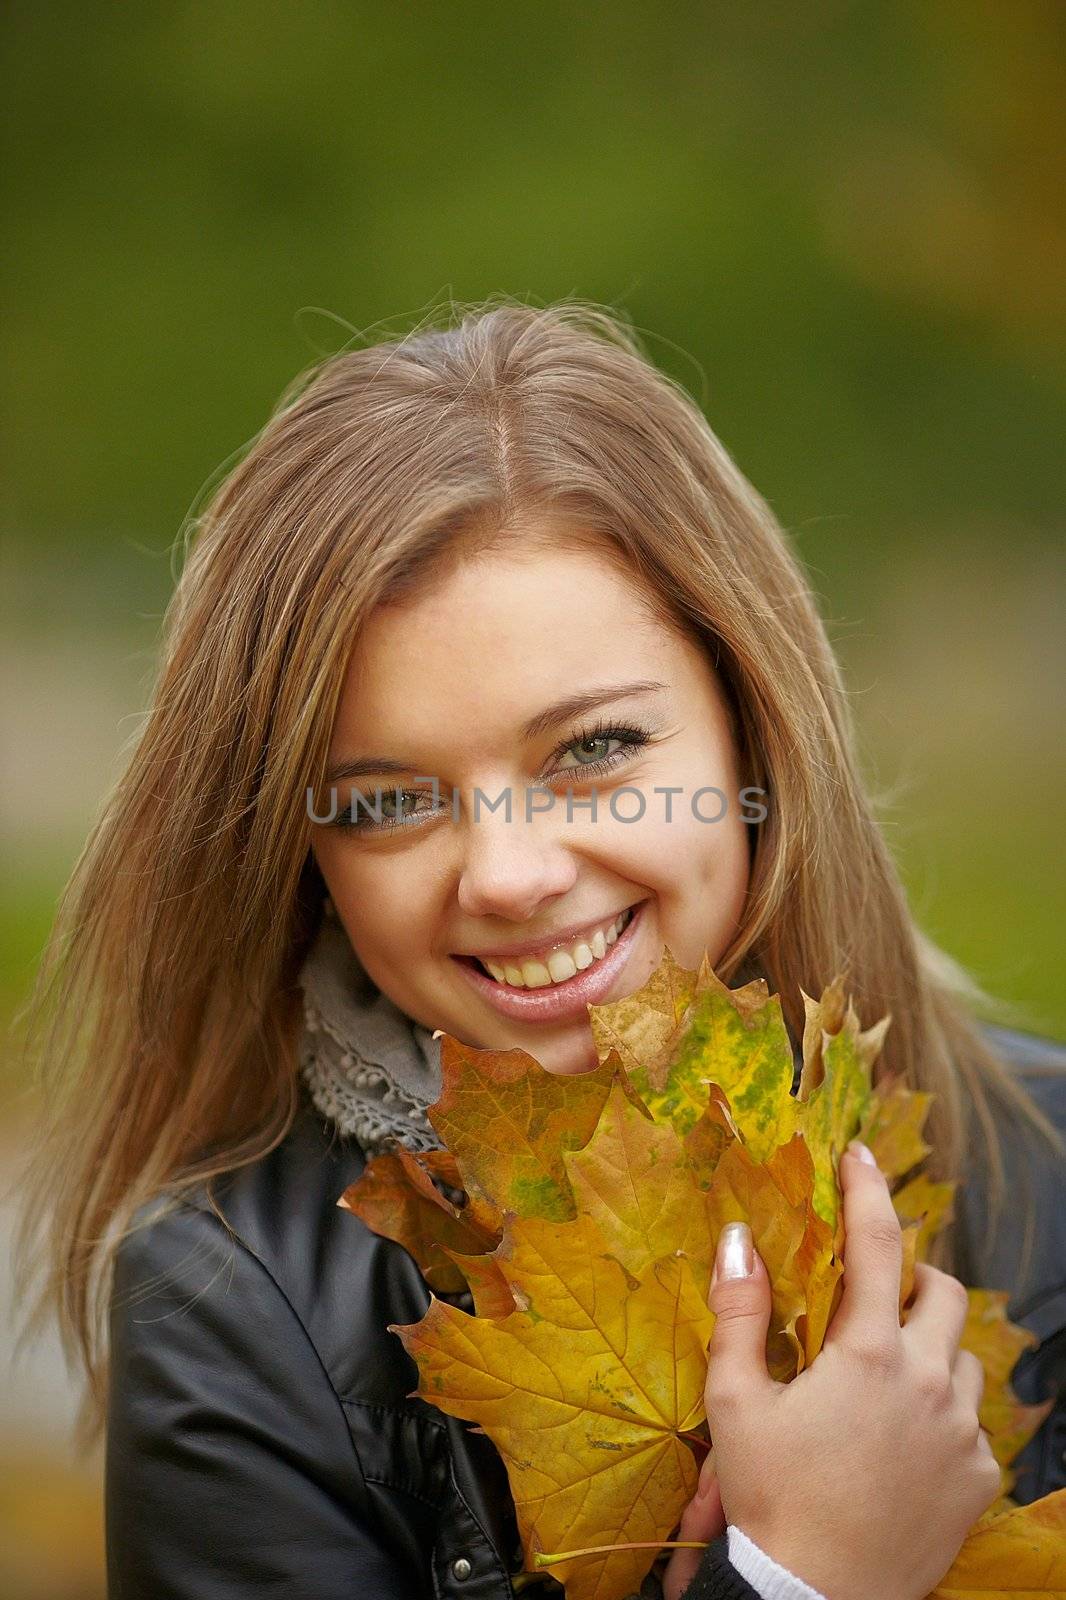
571, 705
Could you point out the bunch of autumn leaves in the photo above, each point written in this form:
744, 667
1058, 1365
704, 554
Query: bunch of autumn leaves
591, 1208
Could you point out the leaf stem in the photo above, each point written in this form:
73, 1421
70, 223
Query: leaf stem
542, 1560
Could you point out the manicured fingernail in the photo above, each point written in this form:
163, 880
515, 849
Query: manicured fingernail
857, 1148
736, 1253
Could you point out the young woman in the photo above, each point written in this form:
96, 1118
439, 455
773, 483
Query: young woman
502, 558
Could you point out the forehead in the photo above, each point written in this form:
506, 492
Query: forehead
518, 586
495, 640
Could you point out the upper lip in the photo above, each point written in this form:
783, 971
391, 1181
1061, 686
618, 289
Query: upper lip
531, 948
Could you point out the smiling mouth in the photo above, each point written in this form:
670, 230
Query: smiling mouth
561, 965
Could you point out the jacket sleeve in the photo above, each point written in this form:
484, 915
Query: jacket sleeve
229, 1469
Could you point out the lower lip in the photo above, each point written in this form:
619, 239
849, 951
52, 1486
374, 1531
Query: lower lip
557, 1002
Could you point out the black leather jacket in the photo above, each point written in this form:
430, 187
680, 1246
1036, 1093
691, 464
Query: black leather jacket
262, 1437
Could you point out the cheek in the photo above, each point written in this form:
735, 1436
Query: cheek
684, 855
705, 875
704, 872
383, 907
718, 850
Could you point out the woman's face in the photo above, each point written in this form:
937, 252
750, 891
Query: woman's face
466, 685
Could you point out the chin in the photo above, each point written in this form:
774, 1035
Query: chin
567, 1063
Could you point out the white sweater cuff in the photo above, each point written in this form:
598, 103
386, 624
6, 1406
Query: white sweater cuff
763, 1573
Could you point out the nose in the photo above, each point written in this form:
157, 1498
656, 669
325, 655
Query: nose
511, 869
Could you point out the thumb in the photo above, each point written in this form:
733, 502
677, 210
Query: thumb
702, 1519
740, 1298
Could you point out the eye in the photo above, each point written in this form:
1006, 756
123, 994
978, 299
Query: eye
590, 751
590, 747
360, 816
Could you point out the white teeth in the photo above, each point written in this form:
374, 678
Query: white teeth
561, 966
562, 963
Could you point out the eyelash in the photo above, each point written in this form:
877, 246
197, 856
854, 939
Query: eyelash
630, 735
633, 737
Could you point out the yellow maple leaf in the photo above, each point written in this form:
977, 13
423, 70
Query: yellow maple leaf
593, 1206
1013, 1555
741, 1032
892, 1127
643, 1028
833, 1106
396, 1196
927, 1203
508, 1123
586, 1389
632, 1179
1010, 1424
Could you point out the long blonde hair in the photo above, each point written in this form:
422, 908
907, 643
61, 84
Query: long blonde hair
164, 1016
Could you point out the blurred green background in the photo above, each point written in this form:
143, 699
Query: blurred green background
841, 225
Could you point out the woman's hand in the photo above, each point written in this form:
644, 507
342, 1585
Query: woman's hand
866, 1472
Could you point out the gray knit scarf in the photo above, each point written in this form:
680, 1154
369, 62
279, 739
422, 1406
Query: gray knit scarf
369, 1068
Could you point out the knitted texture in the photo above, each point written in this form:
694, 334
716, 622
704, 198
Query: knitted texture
768, 1577
717, 1578
368, 1068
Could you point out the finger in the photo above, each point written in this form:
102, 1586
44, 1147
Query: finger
937, 1316
873, 1252
702, 1519
740, 1299
968, 1376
